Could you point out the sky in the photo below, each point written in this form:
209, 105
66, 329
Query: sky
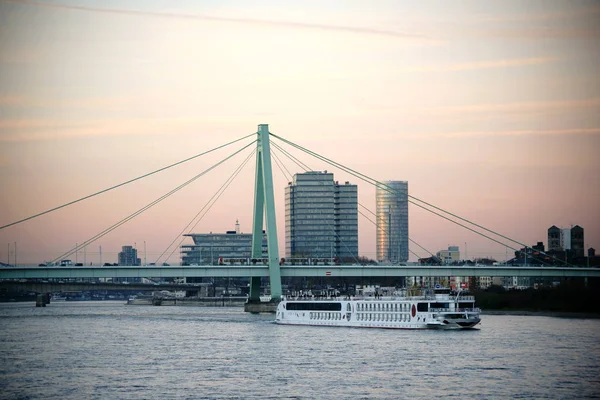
490, 110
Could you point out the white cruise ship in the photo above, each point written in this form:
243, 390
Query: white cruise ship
439, 309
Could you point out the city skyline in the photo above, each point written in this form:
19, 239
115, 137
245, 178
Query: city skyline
488, 109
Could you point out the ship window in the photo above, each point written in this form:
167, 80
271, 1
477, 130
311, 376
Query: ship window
421, 307
348, 307
310, 306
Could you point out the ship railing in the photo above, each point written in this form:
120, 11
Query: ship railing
464, 298
388, 298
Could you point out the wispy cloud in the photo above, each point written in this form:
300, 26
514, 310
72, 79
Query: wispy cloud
248, 21
486, 112
28, 130
537, 33
524, 107
504, 63
541, 132
108, 103
12, 100
546, 15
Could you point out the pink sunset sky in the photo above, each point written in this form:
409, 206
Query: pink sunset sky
489, 109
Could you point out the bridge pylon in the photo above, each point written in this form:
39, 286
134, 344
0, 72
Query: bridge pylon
264, 212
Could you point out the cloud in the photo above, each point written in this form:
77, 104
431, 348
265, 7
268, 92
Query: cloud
109, 103
504, 63
486, 112
12, 100
538, 33
544, 15
248, 21
524, 107
574, 131
28, 130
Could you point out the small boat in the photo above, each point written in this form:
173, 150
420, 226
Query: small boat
437, 309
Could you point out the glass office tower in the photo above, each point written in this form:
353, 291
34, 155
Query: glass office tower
392, 221
321, 217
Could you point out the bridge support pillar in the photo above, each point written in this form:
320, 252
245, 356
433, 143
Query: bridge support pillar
42, 299
264, 212
254, 294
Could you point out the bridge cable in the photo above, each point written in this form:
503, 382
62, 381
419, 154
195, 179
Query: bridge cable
282, 167
378, 226
141, 210
217, 194
306, 168
389, 190
379, 218
290, 156
123, 183
392, 191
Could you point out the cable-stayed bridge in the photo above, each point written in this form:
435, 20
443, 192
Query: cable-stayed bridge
264, 220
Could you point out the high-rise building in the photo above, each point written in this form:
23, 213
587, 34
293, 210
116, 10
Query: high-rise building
128, 256
321, 217
554, 238
392, 221
566, 239
577, 244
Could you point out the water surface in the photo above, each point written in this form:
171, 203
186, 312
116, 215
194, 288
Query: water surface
107, 350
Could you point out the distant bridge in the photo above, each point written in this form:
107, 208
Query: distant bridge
240, 271
39, 286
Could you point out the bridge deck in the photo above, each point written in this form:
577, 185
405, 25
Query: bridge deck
289, 271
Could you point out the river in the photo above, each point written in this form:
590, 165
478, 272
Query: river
107, 350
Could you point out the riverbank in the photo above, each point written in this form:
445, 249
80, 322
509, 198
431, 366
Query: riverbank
556, 314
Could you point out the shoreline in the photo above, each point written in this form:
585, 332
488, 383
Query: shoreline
556, 314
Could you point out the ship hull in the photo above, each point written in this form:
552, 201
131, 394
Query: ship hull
382, 313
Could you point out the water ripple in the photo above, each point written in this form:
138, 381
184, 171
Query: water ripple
111, 351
